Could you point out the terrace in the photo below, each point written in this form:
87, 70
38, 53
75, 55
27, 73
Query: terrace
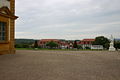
60, 65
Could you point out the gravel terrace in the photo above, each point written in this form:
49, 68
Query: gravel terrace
60, 65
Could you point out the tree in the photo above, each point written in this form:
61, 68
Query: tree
21, 45
36, 44
25, 46
52, 44
18, 46
101, 40
80, 47
87, 47
117, 45
75, 44
107, 45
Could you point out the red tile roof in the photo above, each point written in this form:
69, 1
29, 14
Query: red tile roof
88, 40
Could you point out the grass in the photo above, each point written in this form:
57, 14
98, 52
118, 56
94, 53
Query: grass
58, 49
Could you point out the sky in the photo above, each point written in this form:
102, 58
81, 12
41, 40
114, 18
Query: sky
67, 19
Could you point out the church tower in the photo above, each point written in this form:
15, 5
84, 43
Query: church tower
7, 26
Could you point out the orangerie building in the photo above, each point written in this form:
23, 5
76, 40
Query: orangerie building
7, 26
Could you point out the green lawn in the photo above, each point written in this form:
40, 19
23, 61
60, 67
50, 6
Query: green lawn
57, 49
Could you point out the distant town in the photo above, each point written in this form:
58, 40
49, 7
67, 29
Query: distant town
98, 43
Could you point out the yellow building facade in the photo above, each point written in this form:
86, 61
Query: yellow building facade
7, 26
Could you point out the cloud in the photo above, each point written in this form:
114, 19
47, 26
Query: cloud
67, 19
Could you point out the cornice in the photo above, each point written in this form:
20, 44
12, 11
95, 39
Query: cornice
4, 11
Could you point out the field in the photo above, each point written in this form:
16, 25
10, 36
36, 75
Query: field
60, 65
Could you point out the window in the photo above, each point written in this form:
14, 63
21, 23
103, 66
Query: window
3, 31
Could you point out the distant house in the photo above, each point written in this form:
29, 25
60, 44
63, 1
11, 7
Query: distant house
62, 44
68, 44
86, 43
42, 43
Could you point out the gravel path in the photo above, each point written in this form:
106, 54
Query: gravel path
60, 65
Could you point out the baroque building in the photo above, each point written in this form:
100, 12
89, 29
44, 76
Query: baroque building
7, 26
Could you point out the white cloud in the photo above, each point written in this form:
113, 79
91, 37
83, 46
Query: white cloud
67, 19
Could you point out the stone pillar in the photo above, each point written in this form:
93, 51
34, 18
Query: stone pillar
12, 36
12, 28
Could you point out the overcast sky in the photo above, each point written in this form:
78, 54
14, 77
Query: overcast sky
67, 19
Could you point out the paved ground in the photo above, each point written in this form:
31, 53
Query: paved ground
60, 65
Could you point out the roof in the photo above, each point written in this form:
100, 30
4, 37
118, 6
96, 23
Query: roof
88, 40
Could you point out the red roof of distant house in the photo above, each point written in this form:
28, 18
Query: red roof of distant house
62, 43
44, 41
88, 40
